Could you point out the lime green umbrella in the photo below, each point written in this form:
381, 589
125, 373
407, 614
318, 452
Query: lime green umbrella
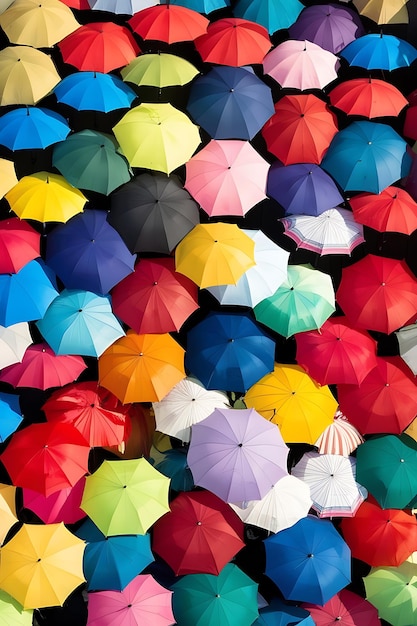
12, 613
159, 70
303, 302
393, 591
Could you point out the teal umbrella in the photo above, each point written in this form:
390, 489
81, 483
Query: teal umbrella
273, 14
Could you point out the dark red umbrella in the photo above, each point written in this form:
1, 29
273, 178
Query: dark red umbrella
169, 22
19, 244
344, 609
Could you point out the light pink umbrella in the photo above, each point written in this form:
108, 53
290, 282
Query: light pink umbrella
227, 177
143, 602
301, 64
340, 437
60, 506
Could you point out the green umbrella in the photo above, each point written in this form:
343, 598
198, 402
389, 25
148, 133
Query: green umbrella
303, 302
159, 70
90, 160
393, 591
11, 612
229, 599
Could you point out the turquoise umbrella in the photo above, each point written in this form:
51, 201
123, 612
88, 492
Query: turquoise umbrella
273, 14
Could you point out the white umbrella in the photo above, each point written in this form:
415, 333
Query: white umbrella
125, 7
340, 437
407, 342
14, 340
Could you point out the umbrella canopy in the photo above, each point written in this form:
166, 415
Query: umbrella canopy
19, 244
12, 611
199, 535
8, 510
229, 598
272, 15
14, 341
173, 464
383, 12
407, 343
32, 128
203, 6
229, 351
123, 7
295, 402
11, 415
283, 614
159, 70
368, 97
94, 91
8, 176
168, 23
393, 592
340, 437
60, 506
379, 51
237, 454
157, 136
125, 497
392, 210
141, 367
308, 561
230, 103
347, 608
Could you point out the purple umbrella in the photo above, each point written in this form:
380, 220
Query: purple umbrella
302, 188
330, 26
87, 253
237, 454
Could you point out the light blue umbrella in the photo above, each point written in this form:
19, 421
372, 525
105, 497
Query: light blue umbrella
31, 128
10, 414
94, 91
272, 14
202, 6
379, 51
80, 322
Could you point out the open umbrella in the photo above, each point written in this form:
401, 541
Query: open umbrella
14, 340
407, 344
368, 97
346, 608
8, 177
94, 91
120, 7
8, 509
392, 210
383, 12
272, 15
169, 23
10, 414
393, 592
19, 244
340, 437
160, 69
60, 506
173, 464
12, 611
32, 128
281, 613
379, 51
203, 6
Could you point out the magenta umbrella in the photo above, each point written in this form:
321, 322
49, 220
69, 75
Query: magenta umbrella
60, 506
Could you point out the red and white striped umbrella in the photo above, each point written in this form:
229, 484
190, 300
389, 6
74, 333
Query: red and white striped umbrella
340, 437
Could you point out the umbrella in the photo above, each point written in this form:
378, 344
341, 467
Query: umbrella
230, 103
309, 561
203, 6
123, 7
60, 506
301, 65
302, 188
41, 368
367, 156
338, 353
31, 128
111, 563
153, 212
347, 608
99, 47
203, 599
229, 351
45, 197
237, 454
155, 298
168, 23
378, 293
94, 91
332, 232
143, 602
284, 505
8, 510
227, 177
272, 15
89, 254
41, 565
381, 12
340, 437
261, 280
385, 400
332, 481
157, 136
80, 322
233, 41
13, 613
26, 75
407, 343
159, 70
141, 368
368, 97
295, 402
95, 412
19, 244
41, 26
173, 464
215, 254
125, 497
188, 403
379, 51
393, 592
199, 535
330, 26
279, 613
8, 177
14, 340
392, 210
304, 301
10, 414
56, 457
409, 129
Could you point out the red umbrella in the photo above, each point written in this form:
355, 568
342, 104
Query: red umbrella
301, 129
410, 123
55, 457
337, 353
99, 416
168, 22
233, 41
60, 506
344, 609
385, 401
378, 293
99, 47
155, 298
368, 97
200, 534
19, 244
380, 537
392, 210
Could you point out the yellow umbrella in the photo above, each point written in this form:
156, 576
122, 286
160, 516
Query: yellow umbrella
159, 70
157, 137
26, 75
8, 177
7, 509
215, 254
295, 402
4, 4
383, 11
41, 565
45, 197
38, 23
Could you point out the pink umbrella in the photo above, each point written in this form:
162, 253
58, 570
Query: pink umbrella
227, 177
345, 609
143, 602
340, 437
60, 506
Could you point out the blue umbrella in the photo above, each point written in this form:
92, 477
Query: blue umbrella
272, 14
80, 322
367, 156
379, 51
229, 352
87, 253
309, 562
26, 295
110, 563
230, 102
202, 6
30, 128
279, 613
174, 465
10, 414
94, 91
